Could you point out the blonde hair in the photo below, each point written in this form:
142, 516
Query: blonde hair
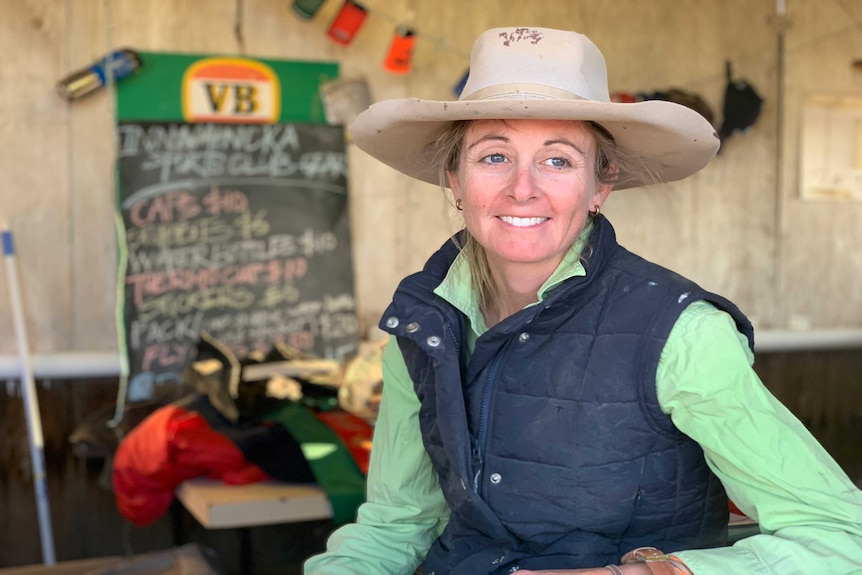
613, 164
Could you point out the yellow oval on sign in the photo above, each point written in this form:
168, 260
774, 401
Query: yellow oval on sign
231, 90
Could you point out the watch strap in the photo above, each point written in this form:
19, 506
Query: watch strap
658, 562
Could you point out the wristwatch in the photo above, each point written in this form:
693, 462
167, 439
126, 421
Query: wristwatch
657, 561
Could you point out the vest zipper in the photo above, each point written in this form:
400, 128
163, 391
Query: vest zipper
487, 389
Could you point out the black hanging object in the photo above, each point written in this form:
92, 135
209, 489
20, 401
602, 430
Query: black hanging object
742, 106
675, 95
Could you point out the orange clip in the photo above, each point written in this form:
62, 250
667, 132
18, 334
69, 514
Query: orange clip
400, 51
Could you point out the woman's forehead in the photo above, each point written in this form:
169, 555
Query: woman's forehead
532, 126
575, 131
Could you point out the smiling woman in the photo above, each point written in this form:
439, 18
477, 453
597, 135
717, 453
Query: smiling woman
525, 188
553, 402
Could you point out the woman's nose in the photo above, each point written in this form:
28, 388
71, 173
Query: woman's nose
523, 187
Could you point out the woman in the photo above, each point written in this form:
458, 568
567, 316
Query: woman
552, 401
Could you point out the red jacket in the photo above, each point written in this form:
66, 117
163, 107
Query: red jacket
169, 447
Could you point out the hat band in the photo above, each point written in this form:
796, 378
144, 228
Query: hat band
521, 91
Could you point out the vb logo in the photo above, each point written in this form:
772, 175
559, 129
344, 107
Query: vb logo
231, 90
244, 98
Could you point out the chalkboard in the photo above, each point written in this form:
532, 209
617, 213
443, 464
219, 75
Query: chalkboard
240, 230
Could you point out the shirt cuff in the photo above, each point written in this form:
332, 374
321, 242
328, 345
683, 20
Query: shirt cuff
723, 560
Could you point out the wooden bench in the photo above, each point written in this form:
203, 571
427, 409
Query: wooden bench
216, 505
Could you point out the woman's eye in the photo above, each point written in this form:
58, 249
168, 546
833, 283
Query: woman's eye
494, 159
557, 162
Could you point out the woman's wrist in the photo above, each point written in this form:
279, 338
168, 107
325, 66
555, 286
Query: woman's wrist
656, 562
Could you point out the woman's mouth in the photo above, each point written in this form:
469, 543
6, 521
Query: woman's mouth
522, 222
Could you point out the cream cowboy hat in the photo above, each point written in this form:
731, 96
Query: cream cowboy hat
537, 73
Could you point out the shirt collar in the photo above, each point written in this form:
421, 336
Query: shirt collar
457, 287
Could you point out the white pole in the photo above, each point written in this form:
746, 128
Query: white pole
31, 404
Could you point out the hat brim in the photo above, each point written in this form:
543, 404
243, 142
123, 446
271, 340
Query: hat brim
674, 140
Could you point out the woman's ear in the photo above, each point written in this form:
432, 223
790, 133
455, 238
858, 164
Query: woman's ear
454, 184
601, 194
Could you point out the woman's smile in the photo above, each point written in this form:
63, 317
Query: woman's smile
519, 222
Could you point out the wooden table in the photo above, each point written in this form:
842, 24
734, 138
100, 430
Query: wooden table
218, 506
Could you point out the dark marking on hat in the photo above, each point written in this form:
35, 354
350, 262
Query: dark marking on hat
520, 34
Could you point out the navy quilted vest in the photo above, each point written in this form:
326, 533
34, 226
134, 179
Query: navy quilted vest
549, 443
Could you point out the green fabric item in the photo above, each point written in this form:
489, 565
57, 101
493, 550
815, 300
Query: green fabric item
330, 461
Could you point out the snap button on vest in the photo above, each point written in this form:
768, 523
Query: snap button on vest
433, 341
392, 322
523, 337
412, 327
496, 478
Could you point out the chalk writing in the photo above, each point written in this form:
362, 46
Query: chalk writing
207, 230
140, 139
160, 331
208, 150
175, 305
277, 248
237, 230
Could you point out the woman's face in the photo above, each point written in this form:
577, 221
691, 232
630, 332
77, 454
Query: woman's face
526, 187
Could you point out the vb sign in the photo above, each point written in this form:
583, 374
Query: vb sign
231, 90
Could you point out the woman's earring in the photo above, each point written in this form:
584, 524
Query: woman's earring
594, 212
458, 205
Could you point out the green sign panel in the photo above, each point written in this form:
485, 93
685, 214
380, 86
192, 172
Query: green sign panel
206, 88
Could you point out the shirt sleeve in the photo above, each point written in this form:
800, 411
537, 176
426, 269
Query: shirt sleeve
773, 469
404, 510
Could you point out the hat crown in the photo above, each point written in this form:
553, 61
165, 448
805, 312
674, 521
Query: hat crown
528, 73
524, 63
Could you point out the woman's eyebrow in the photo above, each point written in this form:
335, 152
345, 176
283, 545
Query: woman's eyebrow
487, 138
565, 142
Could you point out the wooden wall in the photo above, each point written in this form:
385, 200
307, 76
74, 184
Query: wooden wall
738, 227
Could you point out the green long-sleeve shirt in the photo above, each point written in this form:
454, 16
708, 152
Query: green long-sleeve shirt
809, 512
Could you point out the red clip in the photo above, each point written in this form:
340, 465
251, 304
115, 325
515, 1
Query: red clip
347, 22
400, 51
